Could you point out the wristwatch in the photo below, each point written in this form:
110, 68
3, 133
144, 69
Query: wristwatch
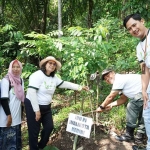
102, 107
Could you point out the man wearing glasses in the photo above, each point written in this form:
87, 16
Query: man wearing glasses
127, 86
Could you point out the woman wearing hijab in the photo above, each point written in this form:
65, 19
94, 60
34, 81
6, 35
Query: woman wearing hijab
42, 85
12, 94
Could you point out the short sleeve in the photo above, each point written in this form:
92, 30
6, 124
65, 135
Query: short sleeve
119, 83
58, 81
4, 88
36, 79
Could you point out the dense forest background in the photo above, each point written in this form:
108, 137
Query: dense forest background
85, 35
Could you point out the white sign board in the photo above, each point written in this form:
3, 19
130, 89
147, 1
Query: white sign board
79, 125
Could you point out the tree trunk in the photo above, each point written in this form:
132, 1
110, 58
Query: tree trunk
44, 19
2, 5
90, 14
59, 17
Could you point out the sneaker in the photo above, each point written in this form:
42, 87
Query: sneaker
139, 138
125, 137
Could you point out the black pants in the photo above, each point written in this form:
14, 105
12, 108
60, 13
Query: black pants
34, 126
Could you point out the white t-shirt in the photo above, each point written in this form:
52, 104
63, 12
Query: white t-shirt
140, 53
46, 86
14, 104
129, 84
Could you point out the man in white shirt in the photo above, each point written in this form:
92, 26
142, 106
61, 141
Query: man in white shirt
129, 85
134, 23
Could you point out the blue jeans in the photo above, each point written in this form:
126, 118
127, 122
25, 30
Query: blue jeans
146, 116
10, 138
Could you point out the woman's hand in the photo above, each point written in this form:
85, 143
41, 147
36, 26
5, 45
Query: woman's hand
9, 121
37, 115
86, 88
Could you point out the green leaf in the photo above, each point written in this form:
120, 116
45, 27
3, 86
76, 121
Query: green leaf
49, 147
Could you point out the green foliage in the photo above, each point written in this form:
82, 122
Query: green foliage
9, 38
69, 49
81, 51
59, 118
24, 133
28, 69
50, 147
139, 6
39, 45
2, 67
117, 117
43, 14
92, 39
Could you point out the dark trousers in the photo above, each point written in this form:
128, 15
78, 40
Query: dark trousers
34, 126
134, 115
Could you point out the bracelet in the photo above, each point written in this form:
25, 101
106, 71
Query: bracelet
102, 107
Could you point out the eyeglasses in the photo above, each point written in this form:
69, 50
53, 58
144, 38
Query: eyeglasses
51, 63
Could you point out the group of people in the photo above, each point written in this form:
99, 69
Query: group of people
133, 86
43, 83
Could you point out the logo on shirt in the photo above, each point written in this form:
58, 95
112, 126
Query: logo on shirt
49, 86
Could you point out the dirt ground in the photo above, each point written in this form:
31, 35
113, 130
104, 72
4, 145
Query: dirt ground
101, 141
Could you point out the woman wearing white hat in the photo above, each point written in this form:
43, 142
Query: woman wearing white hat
42, 85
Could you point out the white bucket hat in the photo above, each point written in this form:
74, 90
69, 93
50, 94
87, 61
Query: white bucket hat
48, 59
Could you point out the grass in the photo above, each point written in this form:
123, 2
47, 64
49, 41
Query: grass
24, 133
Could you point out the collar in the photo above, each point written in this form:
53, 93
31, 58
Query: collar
145, 36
